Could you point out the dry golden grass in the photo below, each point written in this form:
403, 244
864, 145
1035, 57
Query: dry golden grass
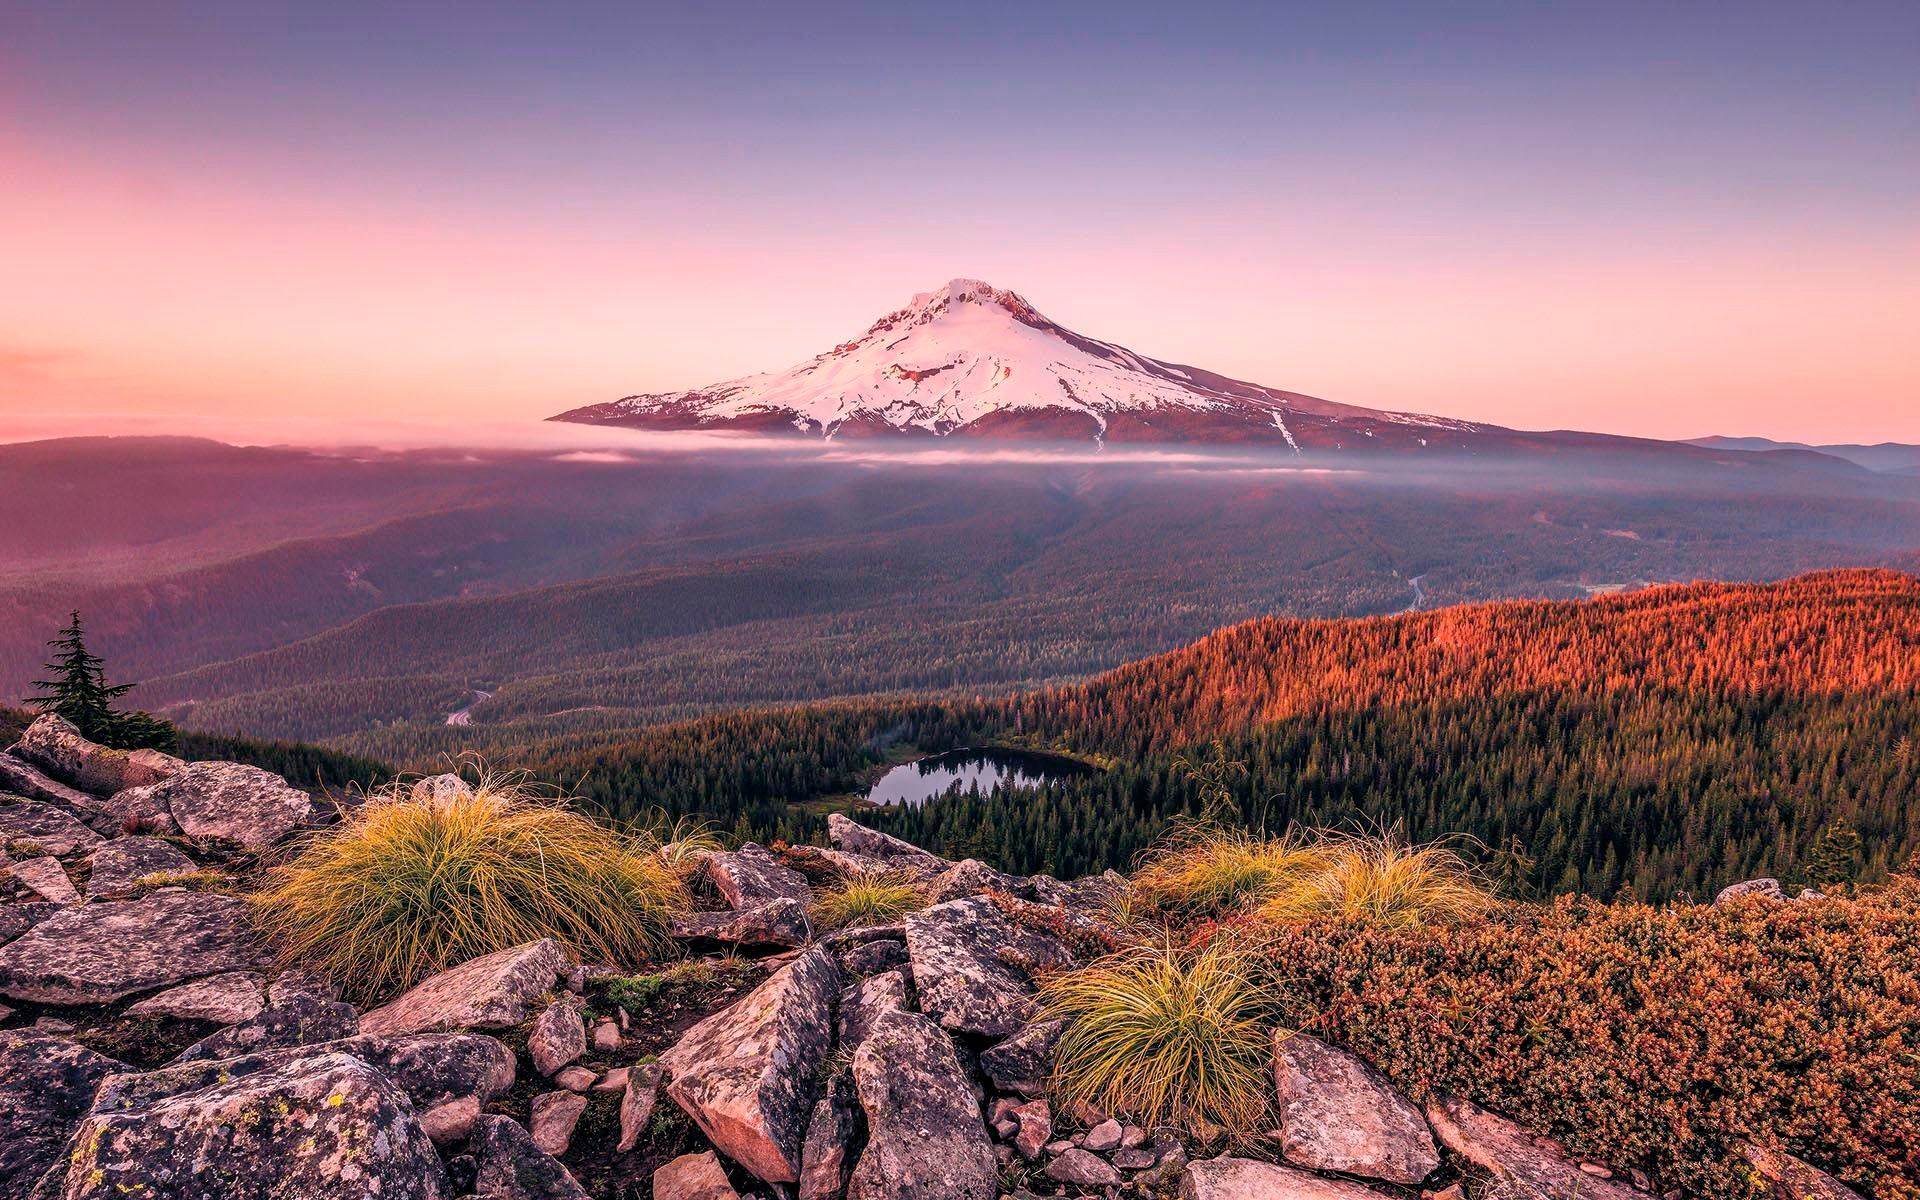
1170, 1037
402, 889
870, 899
1380, 879
1206, 872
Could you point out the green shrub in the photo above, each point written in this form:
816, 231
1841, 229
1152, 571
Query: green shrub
1166, 1035
1647, 1037
403, 889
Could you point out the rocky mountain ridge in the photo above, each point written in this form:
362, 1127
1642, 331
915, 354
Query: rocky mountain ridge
904, 1059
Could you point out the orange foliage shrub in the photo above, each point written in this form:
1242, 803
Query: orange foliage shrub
1649, 1037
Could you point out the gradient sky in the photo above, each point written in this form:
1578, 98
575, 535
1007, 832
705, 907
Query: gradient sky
1669, 219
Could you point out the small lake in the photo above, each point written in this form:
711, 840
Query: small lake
980, 771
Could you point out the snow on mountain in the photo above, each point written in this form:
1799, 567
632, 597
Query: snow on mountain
974, 360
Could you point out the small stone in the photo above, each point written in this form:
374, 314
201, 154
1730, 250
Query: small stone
1077, 1166
613, 1081
1452, 1191
1245, 1179
554, 1116
1596, 1170
575, 1078
606, 1037
693, 1177
452, 1121
1035, 1121
1134, 1159
1133, 1136
509, 1166
1103, 1137
1059, 1147
559, 1036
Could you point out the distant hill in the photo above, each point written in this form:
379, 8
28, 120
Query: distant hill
1882, 456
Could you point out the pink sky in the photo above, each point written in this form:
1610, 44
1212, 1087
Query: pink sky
1537, 273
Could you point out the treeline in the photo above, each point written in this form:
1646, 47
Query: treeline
1666, 742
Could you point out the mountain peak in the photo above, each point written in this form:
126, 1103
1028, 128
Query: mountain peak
970, 358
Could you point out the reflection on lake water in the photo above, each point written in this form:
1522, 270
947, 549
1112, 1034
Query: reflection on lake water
980, 771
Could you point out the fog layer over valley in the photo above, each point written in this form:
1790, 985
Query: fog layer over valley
360, 598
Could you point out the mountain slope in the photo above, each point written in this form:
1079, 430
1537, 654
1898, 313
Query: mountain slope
977, 361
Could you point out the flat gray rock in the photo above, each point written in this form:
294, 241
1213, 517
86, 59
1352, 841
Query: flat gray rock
1021, 1063
637, 1099
46, 879
1765, 889
559, 1036
925, 1139
233, 802
1337, 1113
851, 837
326, 1128
119, 865
970, 965
21, 777
751, 876
298, 1020
778, 922
495, 991
46, 1085
746, 1074
1527, 1163
1245, 1179
41, 826
96, 953
863, 1004
220, 999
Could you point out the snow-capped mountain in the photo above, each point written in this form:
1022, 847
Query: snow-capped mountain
974, 360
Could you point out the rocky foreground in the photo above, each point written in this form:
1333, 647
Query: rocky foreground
149, 1048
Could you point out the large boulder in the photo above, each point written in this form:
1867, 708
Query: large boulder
969, 877
970, 964
1787, 1178
95, 953
746, 1074
751, 876
48, 830
1522, 1161
46, 1084
22, 778
925, 1138
850, 837
495, 991
508, 1166
1246, 1179
233, 802
1337, 1113
117, 867
221, 999
53, 745
317, 1129
1765, 889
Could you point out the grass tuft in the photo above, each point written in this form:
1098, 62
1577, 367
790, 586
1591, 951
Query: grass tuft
1204, 872
400, 890
870, 899
1381, 879
1171, 1037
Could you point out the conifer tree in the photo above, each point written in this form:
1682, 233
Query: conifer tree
77, 691
1834, 860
